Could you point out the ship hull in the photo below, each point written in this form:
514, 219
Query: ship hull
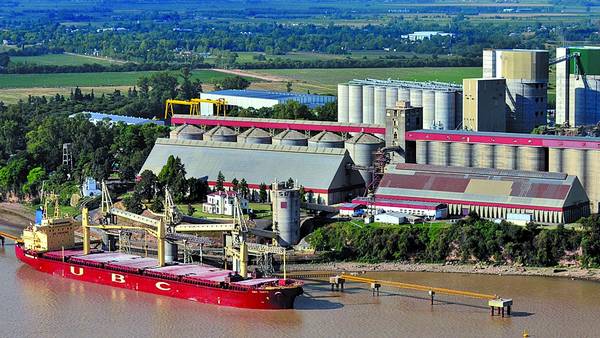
276, 298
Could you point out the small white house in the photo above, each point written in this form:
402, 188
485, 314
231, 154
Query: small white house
90, 188
391, 218
223, 203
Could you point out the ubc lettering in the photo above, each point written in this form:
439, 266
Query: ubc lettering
115, 277
78, 273
163, 286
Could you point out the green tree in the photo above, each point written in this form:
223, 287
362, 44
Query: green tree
198, 189
35, 177
133, 203
172, 175
288, 86
235, 184
244, 189
147, 185
290, 183
157, 204
219, 186
13, 175
235, 82
190, 210
262, 193
188, 90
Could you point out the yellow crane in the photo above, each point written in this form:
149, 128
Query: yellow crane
194, 106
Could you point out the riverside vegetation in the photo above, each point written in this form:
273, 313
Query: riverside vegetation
470, 240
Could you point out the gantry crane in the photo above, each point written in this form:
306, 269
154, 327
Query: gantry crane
194, 106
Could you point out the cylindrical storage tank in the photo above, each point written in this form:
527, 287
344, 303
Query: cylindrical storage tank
286, 215
342, 102
254, 136
445, 109
362, 148
428, 101
368, 101
593, 172
555, 160
170, 252
403, 94
439, 153
531, 158
379, 105
326, 139
220, 134
576, 164
290, 138
186, 132
506, 157
460, 154
416, 97
355, 103
422, 156
483, 155
391, 96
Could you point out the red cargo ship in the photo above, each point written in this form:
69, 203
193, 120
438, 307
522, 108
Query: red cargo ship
200, 283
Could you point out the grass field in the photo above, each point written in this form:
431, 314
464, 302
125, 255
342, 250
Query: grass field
61, 60
60, 80
327, 79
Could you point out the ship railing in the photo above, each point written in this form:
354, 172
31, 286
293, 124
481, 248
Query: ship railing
87, 263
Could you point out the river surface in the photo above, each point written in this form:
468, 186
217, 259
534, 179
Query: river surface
34, 304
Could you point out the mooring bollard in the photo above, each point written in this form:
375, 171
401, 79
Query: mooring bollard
431, 294
375, 288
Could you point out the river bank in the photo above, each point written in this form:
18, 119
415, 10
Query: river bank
15, 215
480, 268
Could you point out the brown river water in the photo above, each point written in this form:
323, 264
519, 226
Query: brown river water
34, 304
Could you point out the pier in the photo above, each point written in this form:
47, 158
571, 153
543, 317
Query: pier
501, 306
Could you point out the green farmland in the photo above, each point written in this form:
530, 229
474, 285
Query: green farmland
60, 80
328, 78
61, 60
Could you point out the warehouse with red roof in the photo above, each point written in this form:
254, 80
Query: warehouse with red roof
492, 193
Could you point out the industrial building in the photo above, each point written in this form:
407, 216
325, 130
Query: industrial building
259, 99
423, 35
492, 193
578, 86
430, 210
286, 213
576, 156
325, 173
526, 74
366, 101
398, 121
484, 107
111, 118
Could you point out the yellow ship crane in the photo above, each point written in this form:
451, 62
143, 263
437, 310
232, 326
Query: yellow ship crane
194, 106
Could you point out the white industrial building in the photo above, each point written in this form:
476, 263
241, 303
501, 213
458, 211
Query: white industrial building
259, 99
422, 35
366, 101
223, 203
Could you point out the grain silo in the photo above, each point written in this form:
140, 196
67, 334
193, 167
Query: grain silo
362, 148
326, 139
461, 154
428, 104
368, 109
404, 94
220, 134
379, 110
286, 214
483, 155
422, 149
254, 136
186, 132
445, 109
290, 138
342, 102
416, 97
391, 96
355, 104
531, 158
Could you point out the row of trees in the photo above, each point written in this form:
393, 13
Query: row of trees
473, 239
290, 110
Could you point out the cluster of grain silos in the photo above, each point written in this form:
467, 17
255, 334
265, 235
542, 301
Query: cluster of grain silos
366, 101
481, 155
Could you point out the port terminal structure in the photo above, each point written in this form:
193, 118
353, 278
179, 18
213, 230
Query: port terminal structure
500, 305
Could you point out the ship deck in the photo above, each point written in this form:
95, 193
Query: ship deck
190, 273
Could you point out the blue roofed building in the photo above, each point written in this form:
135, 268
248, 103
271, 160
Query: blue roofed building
260, 98
129, 120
